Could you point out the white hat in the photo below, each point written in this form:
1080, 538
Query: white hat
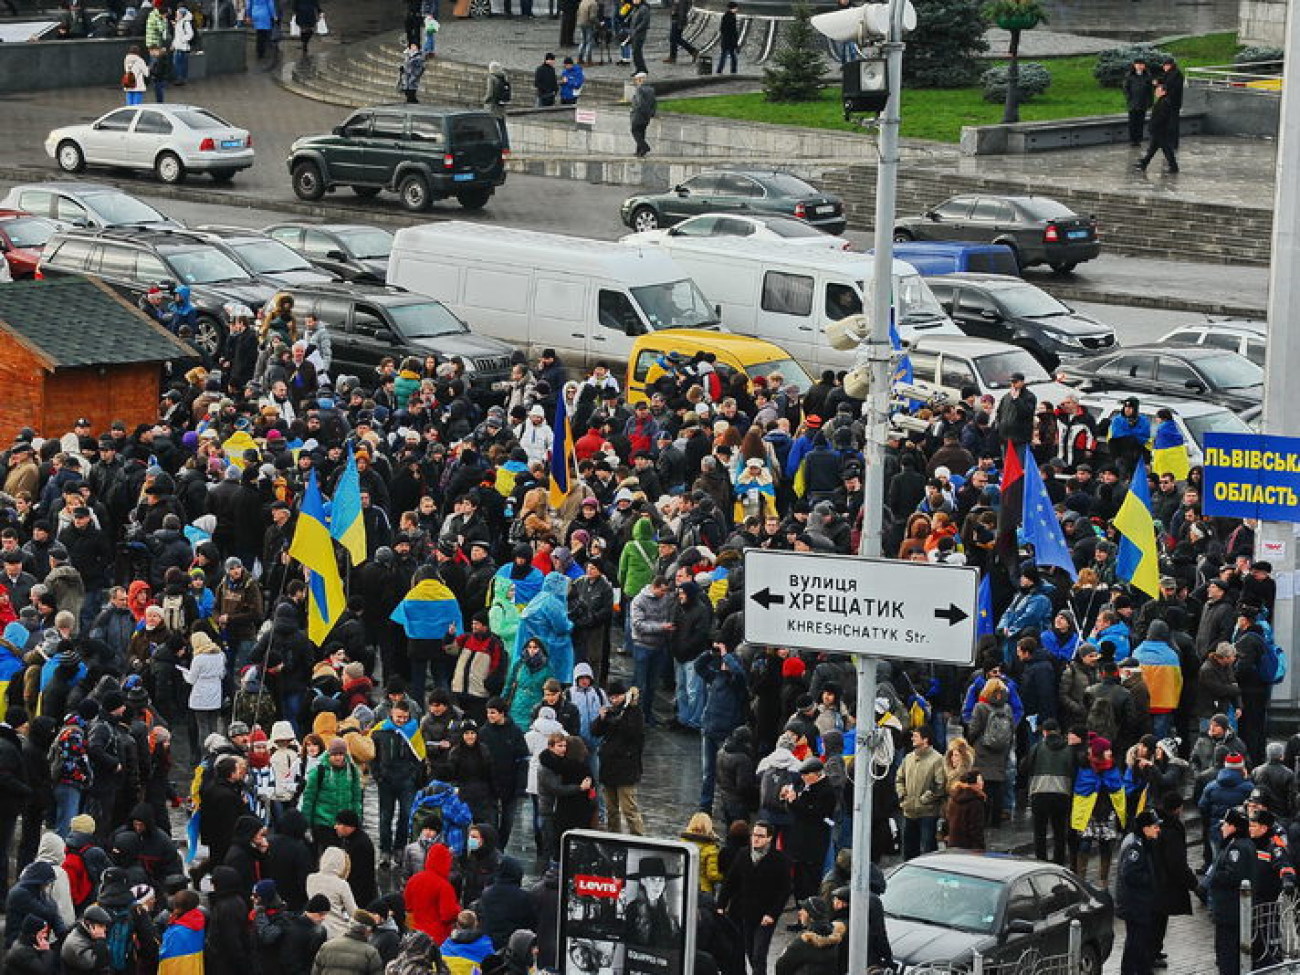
942, 472
537, 410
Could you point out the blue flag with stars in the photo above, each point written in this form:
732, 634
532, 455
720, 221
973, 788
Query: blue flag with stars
1039, 524
984, 624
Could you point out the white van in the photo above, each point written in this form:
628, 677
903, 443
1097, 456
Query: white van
587, 299
789, 295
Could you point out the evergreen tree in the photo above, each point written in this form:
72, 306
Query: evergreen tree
943, 51
796, 74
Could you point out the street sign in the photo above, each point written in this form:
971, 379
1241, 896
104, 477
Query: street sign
847, 604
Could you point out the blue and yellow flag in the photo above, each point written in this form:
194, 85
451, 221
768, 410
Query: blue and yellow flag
561, 454
429, 612
11, 655
313, 547
182, 945
347, 527
1138, 561
410, 731
1169, 451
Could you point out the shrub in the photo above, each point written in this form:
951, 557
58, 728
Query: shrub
943, 51
1249, 55
1113, 63
797, 68
1034, 80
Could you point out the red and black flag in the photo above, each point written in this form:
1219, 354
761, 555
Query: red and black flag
1012, 488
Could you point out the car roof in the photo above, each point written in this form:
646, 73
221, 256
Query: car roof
381, 293
966, 344
419, 109
743, 346
986, 865
1105, 399
69, 186
134, 234
994, 282
167, 108
1252, 326
216, 232
1181, 351
329, 228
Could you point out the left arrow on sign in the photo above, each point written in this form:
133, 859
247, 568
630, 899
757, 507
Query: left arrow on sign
954, 614
766, 598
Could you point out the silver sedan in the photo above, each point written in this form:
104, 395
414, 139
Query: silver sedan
172, 140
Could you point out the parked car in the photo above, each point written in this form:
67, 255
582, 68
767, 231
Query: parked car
22, 238
944, 908
265, 257
133, 261
353, 251
943, 365
420, 152
369, 323
734, 353
1195, 418
87, 205
933, 257
1245, 336
996, 306
171, 140
773, 227
1217, 375
1040, 230
730, 190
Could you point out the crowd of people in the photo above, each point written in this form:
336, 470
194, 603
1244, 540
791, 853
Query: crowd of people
508, 648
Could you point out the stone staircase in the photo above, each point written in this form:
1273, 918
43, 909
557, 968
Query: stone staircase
1146, 225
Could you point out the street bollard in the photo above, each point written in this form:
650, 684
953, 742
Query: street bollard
978, 967
1075, 956
1244, 926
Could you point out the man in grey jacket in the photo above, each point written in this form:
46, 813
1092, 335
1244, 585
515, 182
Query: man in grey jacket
652, 628
644, 106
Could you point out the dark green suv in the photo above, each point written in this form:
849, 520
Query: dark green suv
420, 152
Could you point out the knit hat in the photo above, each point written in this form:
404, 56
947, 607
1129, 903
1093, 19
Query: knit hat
338, 747
792, 667
365, 918
236, 729
1098, 747
1147, 817
83, 823
318, 904
112, 701
265, 890
1234, 760
355, 670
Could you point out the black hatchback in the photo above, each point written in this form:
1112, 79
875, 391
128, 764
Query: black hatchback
1038, 229
420, 152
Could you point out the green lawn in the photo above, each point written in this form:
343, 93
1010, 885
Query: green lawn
939, 113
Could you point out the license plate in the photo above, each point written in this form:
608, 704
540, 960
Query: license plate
825, 210
1077, 235
462, 177
232, 143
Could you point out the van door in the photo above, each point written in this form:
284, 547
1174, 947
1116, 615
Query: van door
618, 323
371, 338
786, 316
560, 299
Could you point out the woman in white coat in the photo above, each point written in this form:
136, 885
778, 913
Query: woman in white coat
182, 43
135, 76
204, 675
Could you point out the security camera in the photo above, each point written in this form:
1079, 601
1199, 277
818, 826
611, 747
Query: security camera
857, 382
848, 333
913, 392
908, 424
846, 24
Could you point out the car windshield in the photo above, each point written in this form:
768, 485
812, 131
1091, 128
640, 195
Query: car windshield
426, 320
269, 256
1039, 208
367, 243
205, 265
29, 231
792, 228
1230, 371
198, 118
116, 209
943, 898
996, 369
783, 184
1030, 303
790, 371
916, 302
676, 304
1216, 421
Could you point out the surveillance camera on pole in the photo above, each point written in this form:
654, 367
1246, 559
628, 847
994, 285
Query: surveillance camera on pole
865, 82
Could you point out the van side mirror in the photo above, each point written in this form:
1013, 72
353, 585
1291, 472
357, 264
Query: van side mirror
1018, 926
989, 315
717, 312
931, 215
681, 190
338, 130
1195, 385
336, 255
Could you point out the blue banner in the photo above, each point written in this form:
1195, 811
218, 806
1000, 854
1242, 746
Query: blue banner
1252, 476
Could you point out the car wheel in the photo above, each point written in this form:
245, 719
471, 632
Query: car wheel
644, 218
480, 8
223, 176
169, 168
1090, 961
70, 157
1064, 267
208, 334
903, 236
473, 199
366, 192
308, 184
414, 191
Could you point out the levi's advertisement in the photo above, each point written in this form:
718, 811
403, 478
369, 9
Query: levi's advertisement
627, 905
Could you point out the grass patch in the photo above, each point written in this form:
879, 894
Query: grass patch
939, 113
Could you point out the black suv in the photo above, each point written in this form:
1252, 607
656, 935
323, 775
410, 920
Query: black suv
368, 323
422, 153
133, 261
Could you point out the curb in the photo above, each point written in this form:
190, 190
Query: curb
1220, 309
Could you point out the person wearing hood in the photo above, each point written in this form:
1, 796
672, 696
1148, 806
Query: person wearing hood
816, 950
247, 853
31, 953
1162, 674
289, 859
528, 676
33, 896
351, 953
387, 936
204, 675
36, 766
158, 856
588, 700
503, 613
737, 778
356, 843
519, 957
505, 906
546, 617
477, 869
522, 578
431, 898
699, 830
331, 880
1050, 769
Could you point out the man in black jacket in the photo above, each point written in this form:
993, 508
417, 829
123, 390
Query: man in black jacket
754, 893
303, 936
399, 772
505, 906
621, 728
1248, 639
505, 743
1015, 415
813, 810
14, 791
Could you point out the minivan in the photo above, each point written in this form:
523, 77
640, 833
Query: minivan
789, 297
935, 257
586, 299
944, 365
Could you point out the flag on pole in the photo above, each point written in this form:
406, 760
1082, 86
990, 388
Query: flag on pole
313, 547
1138, 562
561, 454
1011, 488
347, 527
984, 622
1041, 527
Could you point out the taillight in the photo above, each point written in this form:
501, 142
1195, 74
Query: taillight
38, 274
208, 145
505, 154
248, 143
800, 211
1051, 234
847, 245
448, 160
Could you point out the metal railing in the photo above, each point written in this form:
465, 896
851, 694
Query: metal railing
1261, 76
1030, 962
1271, 929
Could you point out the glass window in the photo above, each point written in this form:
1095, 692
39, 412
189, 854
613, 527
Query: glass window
316, 244
1022, 905
706, 184
29, 231
334, 312
269, 256
958, 208
475, 130
118, 121
842, 301
36, 201
676, 304
942, 898
705, 226
924, 365
116, 262
733, 184
1230, 371
71, 212
358, 125
426, 130
1223, 340
1218, 421
956, 373
1255, 351
783, 184
289, 235
787, 294
1056, 892
205, 265
116, 208
72, 254
999, 261
1177, 372
790, 227
368, 321
1130, 367
990, 210
1041, 208
973, 304
644, 360
996, 369
200, 119
153, 123
1188, 336
366, 243
422, 319
1030, 302
148, 268
731, 227
388, 127
616, 311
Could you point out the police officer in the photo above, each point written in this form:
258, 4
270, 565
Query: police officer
1136, 891
1234, 863
1275, 874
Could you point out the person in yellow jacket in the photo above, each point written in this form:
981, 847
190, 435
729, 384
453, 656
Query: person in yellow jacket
699, 830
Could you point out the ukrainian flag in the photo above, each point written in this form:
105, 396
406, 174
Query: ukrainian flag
410, 731
313, 547
11, 655
1169, 451
429, 611
235, 445
1138, 562
346, 524
561, 454
182, 945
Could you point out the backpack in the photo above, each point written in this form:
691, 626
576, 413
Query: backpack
999, 732
81, 887
121, 939
770, 784
1272, 662
1102, 719
68, 759
504, 92
173, 610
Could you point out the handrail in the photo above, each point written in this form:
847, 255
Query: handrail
1262, 76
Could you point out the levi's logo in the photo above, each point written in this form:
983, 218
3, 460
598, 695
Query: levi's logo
585, 885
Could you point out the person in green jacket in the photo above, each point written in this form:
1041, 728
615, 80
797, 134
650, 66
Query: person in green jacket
331, 787
528, 674
503, 614
407, 383
636, 566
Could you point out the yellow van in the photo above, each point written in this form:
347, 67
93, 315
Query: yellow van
736, 353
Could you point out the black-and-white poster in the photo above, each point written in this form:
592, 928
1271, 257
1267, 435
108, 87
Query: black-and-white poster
627, 905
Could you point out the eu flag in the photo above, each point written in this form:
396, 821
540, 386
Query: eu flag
1040, 526
984, 622
313, 547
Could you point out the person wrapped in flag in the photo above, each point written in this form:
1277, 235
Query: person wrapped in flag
430, 616
1169, 448
755, 492
184, 937
1130, 432
1098, 808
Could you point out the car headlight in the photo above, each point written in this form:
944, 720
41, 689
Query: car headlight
1064, 338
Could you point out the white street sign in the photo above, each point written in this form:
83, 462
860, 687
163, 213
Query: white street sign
847, 604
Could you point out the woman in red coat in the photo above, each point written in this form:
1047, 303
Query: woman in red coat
430, 898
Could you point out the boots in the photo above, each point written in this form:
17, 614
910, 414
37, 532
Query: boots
1081, 865
1105, 868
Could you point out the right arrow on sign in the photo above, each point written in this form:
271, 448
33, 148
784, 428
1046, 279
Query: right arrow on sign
954, 614
767, 599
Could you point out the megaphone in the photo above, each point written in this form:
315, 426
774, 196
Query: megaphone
848, 333
857, 382
845, 24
